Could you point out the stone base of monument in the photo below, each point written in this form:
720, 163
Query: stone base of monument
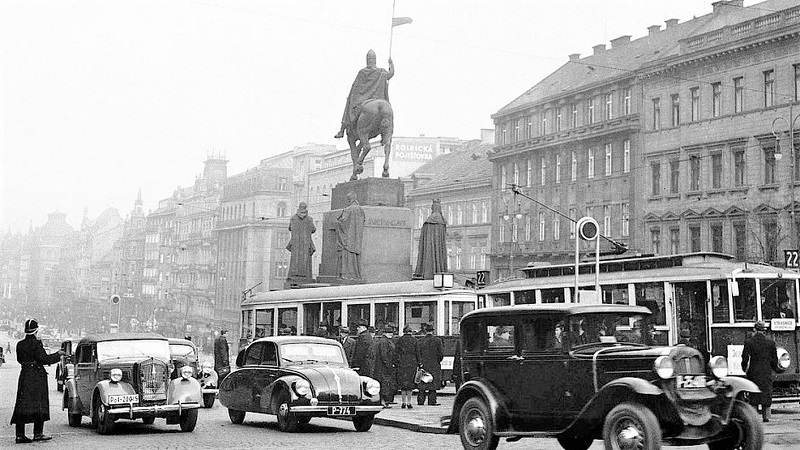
369, 192
298, 282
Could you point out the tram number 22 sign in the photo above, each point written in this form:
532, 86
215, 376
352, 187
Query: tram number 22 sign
792, 258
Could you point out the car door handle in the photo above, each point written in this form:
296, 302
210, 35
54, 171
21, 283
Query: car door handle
515, 358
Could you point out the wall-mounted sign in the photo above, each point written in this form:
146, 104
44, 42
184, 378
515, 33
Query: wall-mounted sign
783, 324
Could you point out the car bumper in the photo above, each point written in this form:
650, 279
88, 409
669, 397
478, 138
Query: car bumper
210, 391
323, 409
159, 411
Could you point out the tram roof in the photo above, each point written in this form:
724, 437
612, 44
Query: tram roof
391, 289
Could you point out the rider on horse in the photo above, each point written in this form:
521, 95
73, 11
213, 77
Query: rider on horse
371, 83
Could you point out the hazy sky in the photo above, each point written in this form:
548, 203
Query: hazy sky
101, 98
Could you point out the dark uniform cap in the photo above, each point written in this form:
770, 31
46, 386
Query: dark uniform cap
31, 325
760, 326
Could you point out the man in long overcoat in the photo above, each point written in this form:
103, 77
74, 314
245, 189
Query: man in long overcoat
431, 353
759, 359
385, 365
221, 355
407, 362
348, 342
33, 401
363, 353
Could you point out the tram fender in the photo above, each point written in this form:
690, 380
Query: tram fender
490, 395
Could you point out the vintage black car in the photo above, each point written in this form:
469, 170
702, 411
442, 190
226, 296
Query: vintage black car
580, 372
184, 353
297, 378
127, 376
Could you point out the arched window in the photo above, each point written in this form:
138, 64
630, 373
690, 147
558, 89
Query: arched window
281, 212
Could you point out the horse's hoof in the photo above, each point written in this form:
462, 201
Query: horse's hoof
353, 178
359, 169
385, 174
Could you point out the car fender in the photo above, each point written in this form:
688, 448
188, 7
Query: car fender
208, 380
733, 388
71, 402
737, 385
492, 397
282, 383
184, 390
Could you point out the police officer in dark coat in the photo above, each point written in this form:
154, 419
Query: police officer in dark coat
407, 362
431, 353
222, 362
33, 401
363, 353
386, 364
759, 359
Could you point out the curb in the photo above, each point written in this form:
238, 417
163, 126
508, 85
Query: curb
410, 426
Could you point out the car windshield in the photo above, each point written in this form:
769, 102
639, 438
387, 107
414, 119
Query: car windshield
178, 350
132, 348
608, 328
305, 352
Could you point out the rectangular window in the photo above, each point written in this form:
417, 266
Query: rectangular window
556, 228
558, 168
674, 176
609, 109
515, 137
655, 174
796, 82
716, 99
503, 179
529, 174
558, 119
716, 170
573, 214
574, 167
608, 160
528, 227
694, 238
607, 220
626, 101
626, 156
740, 240
738, 167
541, 227
656, 113
674, 240
503, 134
473, 257
769, 88
716, 237
544, 171
502, 232
694, 173
769, 165
529, 127
543, 124
738, 95
573, 121
770, 230
591, 111
474, 213
484, 212
655, 240
695, 96
676, 110
591, 163
626, 219
516, 174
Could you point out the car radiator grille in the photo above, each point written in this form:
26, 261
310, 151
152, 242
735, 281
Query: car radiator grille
153, 377
689, 364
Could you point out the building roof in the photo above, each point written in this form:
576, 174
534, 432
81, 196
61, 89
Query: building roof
469, 166
623, 59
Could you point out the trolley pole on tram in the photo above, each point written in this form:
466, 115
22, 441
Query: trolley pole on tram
793, 177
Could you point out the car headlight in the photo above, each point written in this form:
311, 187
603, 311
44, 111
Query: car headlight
187, 372
302, 387
718, 366
115, 375
783, 358
664, 367
373, 387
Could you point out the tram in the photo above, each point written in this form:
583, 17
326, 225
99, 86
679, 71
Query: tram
711, 295
403, 303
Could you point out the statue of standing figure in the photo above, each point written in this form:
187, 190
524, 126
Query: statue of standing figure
432, 255
300, 244
350, 231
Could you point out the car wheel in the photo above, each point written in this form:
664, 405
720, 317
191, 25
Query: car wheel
745, 430
101, 418
363, 423
631, 426
476, 427
188, 420
304, 420
148, 420
208, 400
236, 417
287, 421
575, 442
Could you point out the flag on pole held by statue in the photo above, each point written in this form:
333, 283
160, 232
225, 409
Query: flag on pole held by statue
397, 21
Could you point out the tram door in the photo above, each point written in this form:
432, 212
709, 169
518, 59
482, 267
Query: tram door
691, 314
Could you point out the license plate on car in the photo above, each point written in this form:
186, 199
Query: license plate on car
341, 410
690, 381
123, 399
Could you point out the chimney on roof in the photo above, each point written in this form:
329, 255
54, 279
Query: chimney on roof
599, 48
652, 29
718, 6
575, 57
620, 41
671, 22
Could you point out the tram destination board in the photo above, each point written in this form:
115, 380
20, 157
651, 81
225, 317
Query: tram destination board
792, 258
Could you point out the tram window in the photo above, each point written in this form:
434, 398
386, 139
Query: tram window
525, 297
287, 320
499, 299
720, 309
744, 305
418, 313
553, 295
651, 295
358, 312
263, 323
616, 294
457, 312
777, 298
247, 325
386, 313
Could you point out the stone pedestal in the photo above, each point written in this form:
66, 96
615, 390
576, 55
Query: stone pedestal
386, 240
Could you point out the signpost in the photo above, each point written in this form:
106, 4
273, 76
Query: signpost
792, 258
481, 277
115, 300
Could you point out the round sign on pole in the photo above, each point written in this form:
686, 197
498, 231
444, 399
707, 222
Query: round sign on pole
114, 299
588, 229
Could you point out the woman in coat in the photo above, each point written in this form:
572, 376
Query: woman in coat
33, 402
431, 353
407, 361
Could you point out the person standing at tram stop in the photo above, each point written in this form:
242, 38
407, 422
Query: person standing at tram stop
33, 401
759, 359
363, 353
348, 343
407, 362
221, 355
386, 364
431, 353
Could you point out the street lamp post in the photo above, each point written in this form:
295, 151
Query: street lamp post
791, 123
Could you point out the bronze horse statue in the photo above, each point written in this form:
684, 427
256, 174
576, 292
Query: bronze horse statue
376, 117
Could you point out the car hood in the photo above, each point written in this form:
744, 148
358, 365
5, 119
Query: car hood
332, 383
126, 361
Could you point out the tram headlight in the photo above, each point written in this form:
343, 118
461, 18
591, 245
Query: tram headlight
664, 367
784, 360
115, 375
718, 366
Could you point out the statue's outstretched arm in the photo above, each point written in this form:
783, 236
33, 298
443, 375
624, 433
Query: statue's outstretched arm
391, 68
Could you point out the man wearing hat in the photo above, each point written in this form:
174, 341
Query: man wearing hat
221, 355
407, 363
431, 353
759, 359
385, 364
363, 353
33, 401
348, 342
